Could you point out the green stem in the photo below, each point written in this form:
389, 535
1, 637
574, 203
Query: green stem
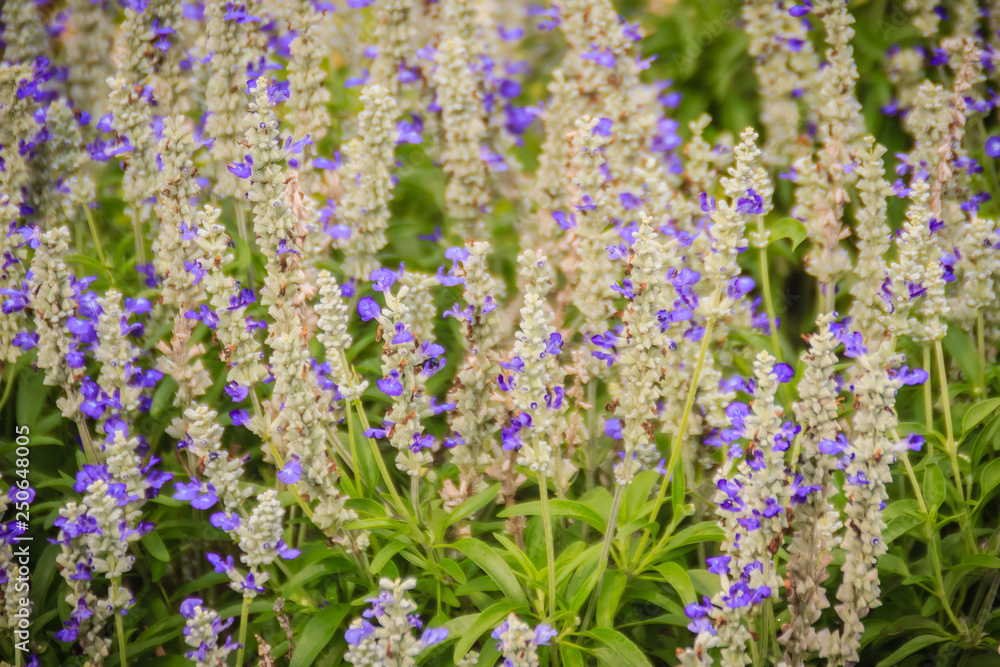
591, 434
11, 376
675, 449
765, 279
241, 227
981, 350
396, 499
913, 479
550, 552
88, 442
356, 462
244, 613
140, 244
96, 237
415, 496
933, 551
609, 536
119, 626
928, 392
951, 446
278, 462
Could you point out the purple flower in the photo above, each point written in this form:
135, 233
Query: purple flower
719, 564
27, 340
603, 128
914, 442
292, 471
402, 335
433, 636
616, 252
421, 442
565, 222
729, 487
834, 447
189, 605
137, 306
554, 344
16, 494
200, 494
752, 204
544, 633
798, 11
625, 289
383, 279
227, 522
860, 479
907, 376
613, 429
784, 372
241, 169
368, 309
358, 80
993, 146
239, 417
238, 13
603, 57
741, 286
285, 551
707, 202
800, 493
852, 345
390, 386
355, 635
433, 238
506, 383
515, 364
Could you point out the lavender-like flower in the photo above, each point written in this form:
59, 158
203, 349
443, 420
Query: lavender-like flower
474, 419
816, 520
518, 642
202, 627
364, 208
466, 196
392, 641
866, 476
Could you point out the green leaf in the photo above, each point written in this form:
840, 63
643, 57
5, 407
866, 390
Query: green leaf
900, 526
167, 661
976, 561
487, 620
611, 594
791, 229
473, 505
570, 508
934, 488
962, 349
909, 648
31, 394
636, 494
155, 546
618, 649
678, 577
978, 413
311, 572
453, 569
384, 555
571, 657
490, 562
706, 531
319, 631
989, 478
